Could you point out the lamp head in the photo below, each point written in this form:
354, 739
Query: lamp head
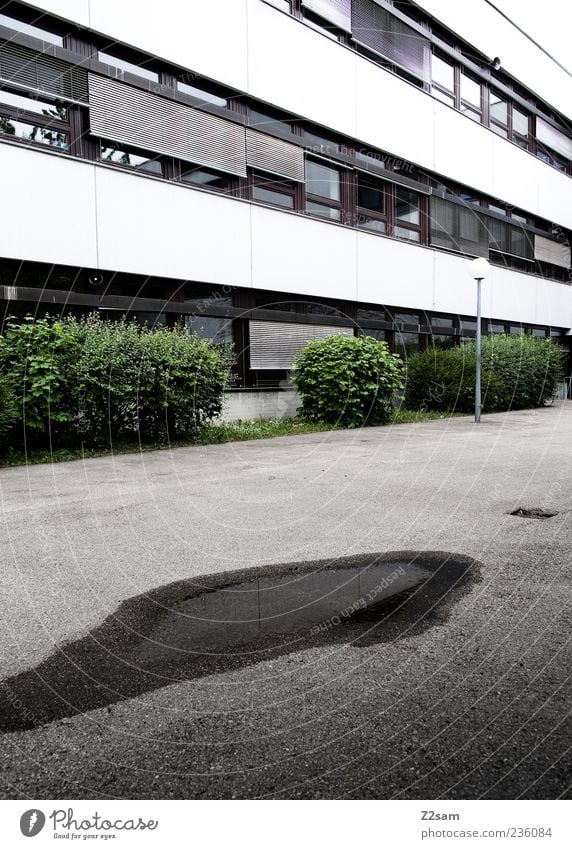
479, 268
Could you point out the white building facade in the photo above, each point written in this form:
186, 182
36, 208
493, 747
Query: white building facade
271, 171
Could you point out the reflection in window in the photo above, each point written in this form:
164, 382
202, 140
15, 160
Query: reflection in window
218, 330
441, 340
322, 181
407, 206
406, 318
323, 211
28, 29
274, 196
130, 67
28, 132
201, 94
520, 128
496, 328
208, 179
263, 121
443, 74
33, 104
120, 156
470, 97
406, 344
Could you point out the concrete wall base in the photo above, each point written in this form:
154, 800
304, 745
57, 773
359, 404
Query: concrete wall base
254, 404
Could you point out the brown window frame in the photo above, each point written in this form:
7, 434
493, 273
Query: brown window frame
9, 112
342, 205
281, 185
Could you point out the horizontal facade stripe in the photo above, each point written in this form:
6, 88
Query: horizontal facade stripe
130, 116
22, 66
337, 12
556, 253
275, 156
275, 344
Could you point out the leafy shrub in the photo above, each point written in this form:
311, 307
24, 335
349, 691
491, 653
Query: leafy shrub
346, 380
517, 372
8, 409
92, 381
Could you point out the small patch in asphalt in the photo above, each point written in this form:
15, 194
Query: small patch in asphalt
533, 513
230, 621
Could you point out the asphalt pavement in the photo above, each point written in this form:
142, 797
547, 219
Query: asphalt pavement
471, 702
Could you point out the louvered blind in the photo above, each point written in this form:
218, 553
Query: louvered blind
337, 12
127, 115
384, 33
556, 253
456, 228
274, 344
553, 138
274, 155
24, 67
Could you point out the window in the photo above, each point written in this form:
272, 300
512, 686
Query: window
400, 318
495, 327
442, 321
34, 120
407, 344
218, 330
457, 228
441, 340
320, 144
122, 156
520, 128
275, 192
383, 33
407, 216
28, 29
371, 205
201, 94
130, 67
470, 97
498, 114
443, 77
207, 179
266, 122
323, 191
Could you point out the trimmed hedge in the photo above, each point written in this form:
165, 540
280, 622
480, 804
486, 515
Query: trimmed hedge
347, 380
88, 381
8, 409
518, 372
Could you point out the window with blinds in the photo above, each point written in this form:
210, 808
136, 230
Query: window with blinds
553, 138
275, 156
457, 228
337, 12
25, 68
275, 344
556, 253
385, 34
130, 116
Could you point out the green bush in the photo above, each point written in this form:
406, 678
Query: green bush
92, 382
8, 409
348, 381
518, 372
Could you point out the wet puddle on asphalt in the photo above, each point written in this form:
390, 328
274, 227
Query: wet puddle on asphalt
229, 621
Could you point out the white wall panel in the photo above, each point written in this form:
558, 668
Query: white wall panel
393, 115
298, 254
292, 66
149, 227
394, 272
464, 149
47, 212
507, 294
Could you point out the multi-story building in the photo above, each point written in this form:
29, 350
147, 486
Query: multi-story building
270, 171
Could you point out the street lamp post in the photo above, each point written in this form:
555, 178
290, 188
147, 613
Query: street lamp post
479, 270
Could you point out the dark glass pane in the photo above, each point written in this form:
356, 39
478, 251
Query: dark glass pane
407, 206
28, 29
372, 314
323, 211
496, 328
371, 198
405, 233
217, 329
133, 160
441, 321
273, 196
407, 343
263, 121
376, 225
405, 318
442, 340
375, 333
208, 179
201, 94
